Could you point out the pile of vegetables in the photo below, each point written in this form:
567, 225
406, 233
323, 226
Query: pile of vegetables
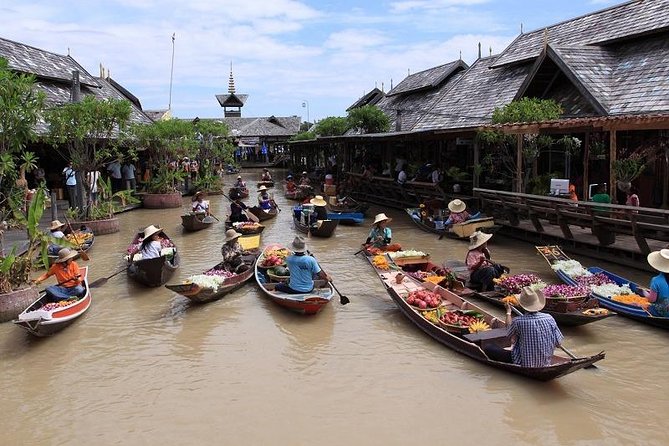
632, 299
380, 262
280, 271
516, 282
460, 319
423, 299
408, 253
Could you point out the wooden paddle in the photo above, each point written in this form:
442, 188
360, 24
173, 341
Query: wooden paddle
564, 349
249, 215
342, 299
101, 281
82, 254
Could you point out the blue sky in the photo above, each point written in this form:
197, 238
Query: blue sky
284, 52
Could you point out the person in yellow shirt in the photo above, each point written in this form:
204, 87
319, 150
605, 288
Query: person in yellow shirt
67, 274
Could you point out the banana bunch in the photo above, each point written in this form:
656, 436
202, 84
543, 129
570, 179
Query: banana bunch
478, 326
432, 316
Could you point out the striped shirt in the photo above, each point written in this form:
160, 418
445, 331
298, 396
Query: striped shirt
537, 335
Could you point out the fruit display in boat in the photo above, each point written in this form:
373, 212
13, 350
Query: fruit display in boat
478, 325
423, 299
459, 318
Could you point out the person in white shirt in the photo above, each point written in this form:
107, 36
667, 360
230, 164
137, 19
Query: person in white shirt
92, 179
402, 176
151, 244
436, 175
71, 184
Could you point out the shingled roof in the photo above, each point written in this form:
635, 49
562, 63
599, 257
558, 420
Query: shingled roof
272, 126
634, 18
232, 100
427, 79
371, 98
470, 101
43, 64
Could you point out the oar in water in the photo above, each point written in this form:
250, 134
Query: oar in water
209, 219
82, 254
102, 280
564, 349
342, 298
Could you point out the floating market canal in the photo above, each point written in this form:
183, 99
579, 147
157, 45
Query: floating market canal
145, 366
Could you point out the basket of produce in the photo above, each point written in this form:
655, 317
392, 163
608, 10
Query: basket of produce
278, 274
274, 257
565, 298
423, 299
512, 284
407, 257
459, 321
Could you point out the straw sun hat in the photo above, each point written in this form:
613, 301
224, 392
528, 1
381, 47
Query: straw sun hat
477, 239
231, 235
659, 260
262, 188
381, 217
299, 245
531, 300
457, 206
55, 225
318, 201
65, 254
149, 231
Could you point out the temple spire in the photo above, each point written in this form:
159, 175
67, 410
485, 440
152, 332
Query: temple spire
231, 82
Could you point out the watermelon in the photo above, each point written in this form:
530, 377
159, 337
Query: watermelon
281, 271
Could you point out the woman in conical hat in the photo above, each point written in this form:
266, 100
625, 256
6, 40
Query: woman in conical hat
459, 213
380, 236
232, 253
482, 269
659, 285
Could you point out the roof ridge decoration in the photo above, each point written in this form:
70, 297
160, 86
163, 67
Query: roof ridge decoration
231, 81
615, 23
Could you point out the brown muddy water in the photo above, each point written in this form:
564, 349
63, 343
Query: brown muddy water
144, 366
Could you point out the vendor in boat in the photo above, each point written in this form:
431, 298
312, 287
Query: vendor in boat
67, 274
303, 268
200, 205
320, 212
56, 231
380, 236
534, 335
266, 176
482, 269
151, 243
290, 184
232, 252
304, 179
237, 208
264, 199
459, 213
659, 285
239, 184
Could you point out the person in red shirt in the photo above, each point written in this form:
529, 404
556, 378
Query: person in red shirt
67, 274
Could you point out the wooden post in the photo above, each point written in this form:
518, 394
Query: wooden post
477, 156
613, 149
54, 206
665, 189
519, 163
586, 164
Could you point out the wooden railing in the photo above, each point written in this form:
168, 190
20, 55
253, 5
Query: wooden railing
386, 191
605, 220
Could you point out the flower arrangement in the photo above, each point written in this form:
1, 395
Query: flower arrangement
593, 280
572, 268
565, 291
514, 283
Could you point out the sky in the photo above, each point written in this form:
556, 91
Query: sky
309, 58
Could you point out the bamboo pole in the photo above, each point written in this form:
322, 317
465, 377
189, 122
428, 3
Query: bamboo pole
519, 162
613, 149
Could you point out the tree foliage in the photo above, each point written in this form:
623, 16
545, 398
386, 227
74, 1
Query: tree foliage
527, 110
368, 119
332, 126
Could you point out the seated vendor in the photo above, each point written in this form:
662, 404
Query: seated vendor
303, 268
67, 274
459, 213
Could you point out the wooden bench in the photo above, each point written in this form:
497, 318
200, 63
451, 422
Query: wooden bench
494, 336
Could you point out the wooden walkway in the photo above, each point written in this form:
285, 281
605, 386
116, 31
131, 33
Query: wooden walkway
618, 234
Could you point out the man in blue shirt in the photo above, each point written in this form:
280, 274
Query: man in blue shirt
302, 269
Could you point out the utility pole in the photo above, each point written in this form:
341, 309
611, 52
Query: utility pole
169, 107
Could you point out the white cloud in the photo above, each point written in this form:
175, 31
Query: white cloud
404, 6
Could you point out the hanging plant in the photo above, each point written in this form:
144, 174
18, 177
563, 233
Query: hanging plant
628, 169
571, 144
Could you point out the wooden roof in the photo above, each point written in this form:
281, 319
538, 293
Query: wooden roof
232, 99
624, 21
272, 126
427, 79
620, 122
370, 98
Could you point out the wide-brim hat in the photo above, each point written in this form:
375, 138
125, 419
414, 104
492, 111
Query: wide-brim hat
318, 201
65, 254
239, 177
262, 188
381, 217
55, 225
289, 177
659, 260
299, 245
150, 230
197, 195
457, 206
231, 234
531, 300
478, 238
305, 173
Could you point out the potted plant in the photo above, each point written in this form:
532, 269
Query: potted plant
626, 170
101, 218
162, 191
16, 293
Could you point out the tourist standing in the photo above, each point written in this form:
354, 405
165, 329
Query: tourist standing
114, 169
92, 179
71, 184
128, 172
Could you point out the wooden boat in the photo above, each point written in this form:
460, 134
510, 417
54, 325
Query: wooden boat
473, 344
262, 214
195, 222
307, 303
238, 192
45, 322
244, 228
89, 240
153, 272
418, 268
457, 231
267, 184
347, 218
324, 228
202, 294
349, 205
631, 311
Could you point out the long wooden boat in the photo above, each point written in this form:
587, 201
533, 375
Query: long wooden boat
153, 272
238, 192
631, 311
41, 321
195, 222
347, 207
473, 344
307, 303
297, 194
347, 218
244, 228
262, 214
266, 183
324, 228
203, 294
89, 240
460, 231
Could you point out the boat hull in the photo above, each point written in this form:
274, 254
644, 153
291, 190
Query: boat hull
192, 222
